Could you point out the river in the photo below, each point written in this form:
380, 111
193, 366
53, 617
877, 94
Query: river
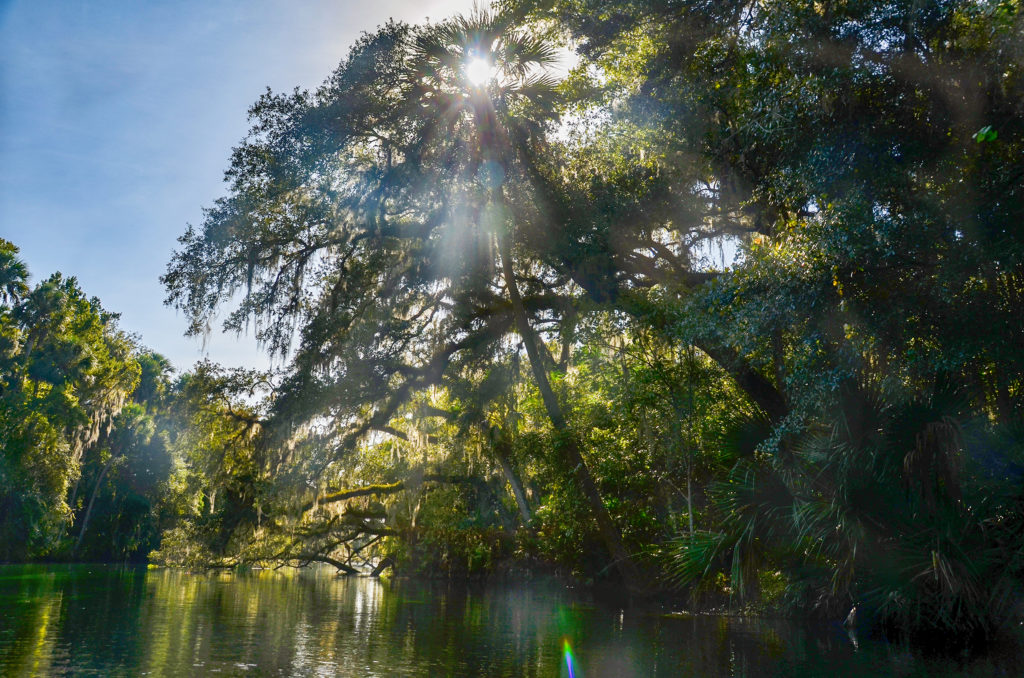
89, 620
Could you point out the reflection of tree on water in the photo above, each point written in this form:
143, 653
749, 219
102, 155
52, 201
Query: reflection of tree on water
850, 631
82, 619
50, 613
851, 627
35, 615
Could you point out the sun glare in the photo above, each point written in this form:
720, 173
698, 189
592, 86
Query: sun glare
479, 71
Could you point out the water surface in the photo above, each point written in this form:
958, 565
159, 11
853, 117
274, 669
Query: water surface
105, 621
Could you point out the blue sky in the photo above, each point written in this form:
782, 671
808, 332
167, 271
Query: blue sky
117, 119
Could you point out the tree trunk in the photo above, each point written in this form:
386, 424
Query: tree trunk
568, 447
501, 453
384, 564
306, 558
495, 491
92, 500
689, 495
759, 389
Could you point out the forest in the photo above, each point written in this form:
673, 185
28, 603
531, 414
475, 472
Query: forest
719, 300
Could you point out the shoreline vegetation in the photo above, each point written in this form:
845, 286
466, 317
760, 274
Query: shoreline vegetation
730, 310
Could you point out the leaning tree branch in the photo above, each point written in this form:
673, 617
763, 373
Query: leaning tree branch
390, 488
307, 558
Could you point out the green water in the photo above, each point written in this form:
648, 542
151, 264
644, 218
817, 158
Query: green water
107, 621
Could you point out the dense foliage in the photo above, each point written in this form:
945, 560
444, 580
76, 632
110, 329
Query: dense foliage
508, 309
77, 451
98, 448
734, 307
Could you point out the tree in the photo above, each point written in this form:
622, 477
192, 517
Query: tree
391, 184
67, 372
13, 274
847, 151
123, 501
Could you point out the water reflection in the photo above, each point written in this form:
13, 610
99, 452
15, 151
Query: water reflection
89, 620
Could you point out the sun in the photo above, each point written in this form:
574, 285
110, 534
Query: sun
479, 71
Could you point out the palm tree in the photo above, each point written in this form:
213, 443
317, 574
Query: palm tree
888, 512
13, 274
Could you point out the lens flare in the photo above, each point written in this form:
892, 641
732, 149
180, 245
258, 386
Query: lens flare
569, 660
479, 71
